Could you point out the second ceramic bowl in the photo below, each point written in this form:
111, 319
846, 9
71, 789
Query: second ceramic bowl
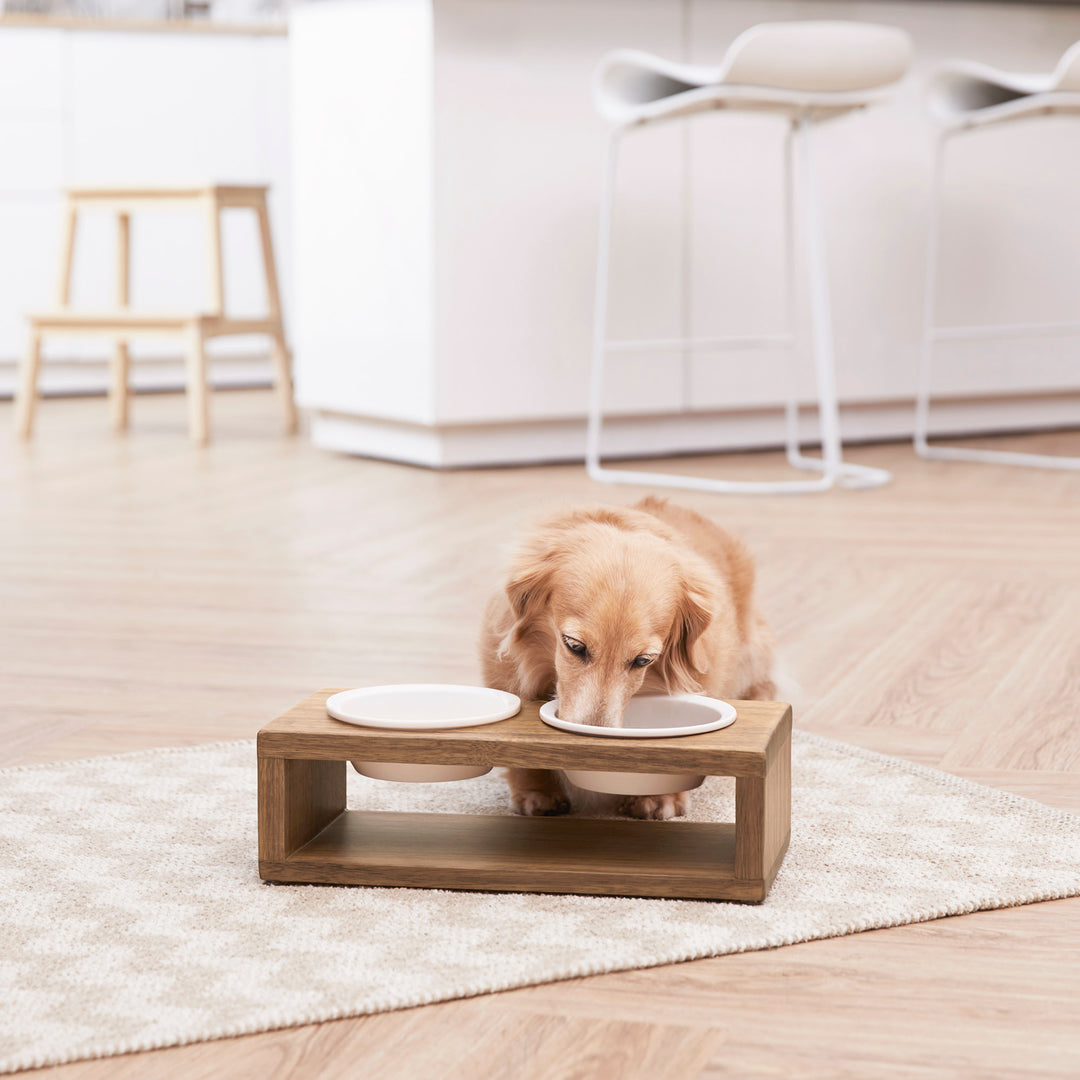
647, 718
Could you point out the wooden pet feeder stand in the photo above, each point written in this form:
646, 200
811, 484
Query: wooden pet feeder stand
306, 835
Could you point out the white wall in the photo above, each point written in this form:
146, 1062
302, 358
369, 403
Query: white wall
83, 107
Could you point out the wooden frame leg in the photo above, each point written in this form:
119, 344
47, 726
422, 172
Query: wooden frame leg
198, 410
297, 799
763, 818
26, 395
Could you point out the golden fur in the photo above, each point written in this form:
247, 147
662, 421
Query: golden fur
660, 600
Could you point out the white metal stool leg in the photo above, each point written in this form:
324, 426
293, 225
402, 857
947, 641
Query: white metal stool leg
931, 335
831, 462
599, 343
831, 465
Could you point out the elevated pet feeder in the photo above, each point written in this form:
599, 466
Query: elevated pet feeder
306, 834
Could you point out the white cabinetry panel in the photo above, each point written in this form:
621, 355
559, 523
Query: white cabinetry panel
128, 109
518, 162
32, 72
33, 154
163, 108
362, 138
1010, 246
29, 240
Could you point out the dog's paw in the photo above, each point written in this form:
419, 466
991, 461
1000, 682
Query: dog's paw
539, 804
654, 807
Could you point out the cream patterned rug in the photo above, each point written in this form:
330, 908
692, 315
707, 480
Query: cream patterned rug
132, 915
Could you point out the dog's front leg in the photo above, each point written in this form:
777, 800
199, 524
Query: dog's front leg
654, 807
536, 792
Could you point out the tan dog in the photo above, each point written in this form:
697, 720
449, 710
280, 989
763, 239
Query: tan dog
607, 602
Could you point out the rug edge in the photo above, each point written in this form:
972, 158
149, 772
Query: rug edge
943, 777
260, 1027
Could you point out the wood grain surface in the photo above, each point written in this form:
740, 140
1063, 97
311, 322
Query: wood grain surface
526, 741
154, 595
296, 800
303, 839
690, 860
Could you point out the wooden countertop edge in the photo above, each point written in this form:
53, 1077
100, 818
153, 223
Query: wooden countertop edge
143, 26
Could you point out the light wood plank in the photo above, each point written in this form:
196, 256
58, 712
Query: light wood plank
302, 798
141, 26
760, 735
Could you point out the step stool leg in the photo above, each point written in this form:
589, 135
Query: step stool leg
118, 383
279, 350
283, 383
26, 396
118, 386
198, 415
215, 265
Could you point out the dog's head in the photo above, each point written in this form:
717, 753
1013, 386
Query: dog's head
610, 611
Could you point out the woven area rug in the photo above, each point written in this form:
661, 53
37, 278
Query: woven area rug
133, 915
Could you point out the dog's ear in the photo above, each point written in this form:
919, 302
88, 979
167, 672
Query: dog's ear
679, 668
528, 588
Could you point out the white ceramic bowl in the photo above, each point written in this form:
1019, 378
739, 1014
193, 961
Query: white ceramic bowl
421, 707
633, 783
405, 773
647, 718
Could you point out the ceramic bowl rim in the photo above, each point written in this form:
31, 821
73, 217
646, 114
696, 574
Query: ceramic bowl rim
726, 716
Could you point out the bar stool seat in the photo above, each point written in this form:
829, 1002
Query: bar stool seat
807, 72
831, 67
965, 96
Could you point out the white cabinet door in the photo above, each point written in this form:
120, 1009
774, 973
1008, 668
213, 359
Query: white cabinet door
519, 154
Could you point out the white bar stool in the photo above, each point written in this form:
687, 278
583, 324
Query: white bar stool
967, 96
808, 72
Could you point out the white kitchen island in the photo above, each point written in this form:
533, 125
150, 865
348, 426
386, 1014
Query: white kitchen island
447, 166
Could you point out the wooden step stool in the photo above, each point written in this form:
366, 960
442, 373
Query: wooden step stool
123, 323
307, 835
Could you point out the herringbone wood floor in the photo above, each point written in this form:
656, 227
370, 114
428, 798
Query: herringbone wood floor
153, 594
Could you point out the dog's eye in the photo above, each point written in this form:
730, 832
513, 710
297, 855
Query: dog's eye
642, 661
574, 646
